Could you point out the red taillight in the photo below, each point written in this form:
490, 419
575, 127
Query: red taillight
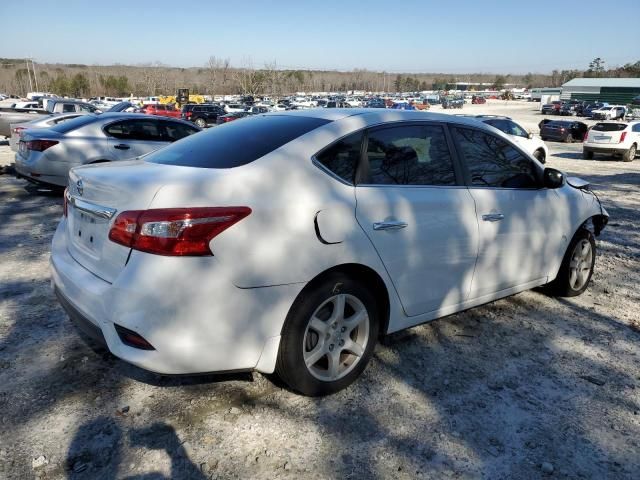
18, 130
40, 145
586, 135
65, 203
189, 114
622, 137
174, 231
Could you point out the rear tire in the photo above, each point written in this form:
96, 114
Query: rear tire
587, 155
569, 138
576, 268
200, 122
630, 154
328, 336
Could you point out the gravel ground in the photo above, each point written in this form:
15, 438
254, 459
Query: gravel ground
523, 388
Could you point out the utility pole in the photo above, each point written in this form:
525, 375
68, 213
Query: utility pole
26, 62
35, 77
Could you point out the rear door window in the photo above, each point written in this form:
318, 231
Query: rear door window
138, 129
236, 143
410, 155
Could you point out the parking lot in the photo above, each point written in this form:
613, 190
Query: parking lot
525, 387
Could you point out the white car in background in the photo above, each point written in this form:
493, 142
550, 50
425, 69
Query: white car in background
234, 107
290, 242
525, 140
613, 138
610, 112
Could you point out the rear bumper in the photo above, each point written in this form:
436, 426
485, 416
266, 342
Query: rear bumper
39, 170
612, 150
81, 322
196, 321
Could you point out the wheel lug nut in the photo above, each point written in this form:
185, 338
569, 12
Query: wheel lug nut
343, 329
341, 342
331, 347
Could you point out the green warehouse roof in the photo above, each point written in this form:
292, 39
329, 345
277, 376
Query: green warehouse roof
603, 82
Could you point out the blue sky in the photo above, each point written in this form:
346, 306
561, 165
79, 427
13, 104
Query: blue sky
459, 37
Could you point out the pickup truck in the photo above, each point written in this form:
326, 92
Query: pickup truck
54, 106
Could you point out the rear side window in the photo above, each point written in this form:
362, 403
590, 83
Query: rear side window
236, 143
492, 162
410, 155
609, 127
68, 108
342, 157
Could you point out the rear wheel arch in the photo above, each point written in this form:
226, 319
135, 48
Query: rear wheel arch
371, 280
102, 160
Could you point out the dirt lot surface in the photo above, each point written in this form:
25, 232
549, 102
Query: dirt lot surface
523, 388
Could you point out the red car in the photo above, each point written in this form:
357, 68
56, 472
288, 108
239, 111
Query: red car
162, 110
476, 99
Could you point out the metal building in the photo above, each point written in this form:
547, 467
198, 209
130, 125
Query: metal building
616, 91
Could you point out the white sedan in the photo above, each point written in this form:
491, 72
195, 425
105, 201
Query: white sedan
290, 242
525, 140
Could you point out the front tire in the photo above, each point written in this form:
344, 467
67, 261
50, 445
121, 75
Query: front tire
328, 336
569, 138
201, 122
577, 266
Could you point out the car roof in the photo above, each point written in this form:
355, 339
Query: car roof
373, 115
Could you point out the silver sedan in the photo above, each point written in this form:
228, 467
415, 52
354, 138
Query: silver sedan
41, 122
46, 155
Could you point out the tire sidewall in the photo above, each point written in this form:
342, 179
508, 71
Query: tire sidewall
564, 288
290, 365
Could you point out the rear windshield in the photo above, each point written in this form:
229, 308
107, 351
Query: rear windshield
235, 143
609, 127
69, 125
558, 124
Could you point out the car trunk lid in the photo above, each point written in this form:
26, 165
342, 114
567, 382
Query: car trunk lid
95, 197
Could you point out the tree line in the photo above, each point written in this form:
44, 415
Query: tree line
219, 77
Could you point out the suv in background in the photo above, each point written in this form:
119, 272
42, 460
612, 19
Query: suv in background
552, 108
202, 114
610, 112
613, 139
161, 109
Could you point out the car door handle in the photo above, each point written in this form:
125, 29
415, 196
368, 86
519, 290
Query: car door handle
389, 225
122, 146
493, 217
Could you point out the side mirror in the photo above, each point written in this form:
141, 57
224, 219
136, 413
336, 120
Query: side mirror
530, 135
553, 178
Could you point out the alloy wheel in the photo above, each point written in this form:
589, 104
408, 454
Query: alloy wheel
336, 337
580, 265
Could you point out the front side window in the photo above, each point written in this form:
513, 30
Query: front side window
410, 155
492, 162
342, 157
175, 131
